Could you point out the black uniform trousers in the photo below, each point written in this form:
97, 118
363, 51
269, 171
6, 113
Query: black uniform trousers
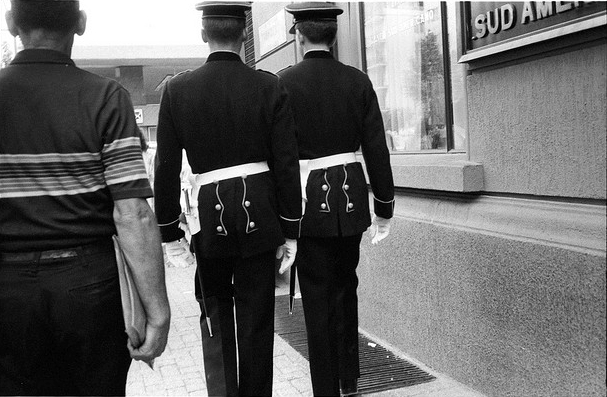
249, 285
61, 326
327, 278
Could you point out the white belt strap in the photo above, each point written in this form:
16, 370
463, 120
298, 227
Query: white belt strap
231, 172
305, 166
330, 161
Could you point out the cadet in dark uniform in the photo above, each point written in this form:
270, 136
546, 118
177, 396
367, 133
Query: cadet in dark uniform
337, 113
238, 131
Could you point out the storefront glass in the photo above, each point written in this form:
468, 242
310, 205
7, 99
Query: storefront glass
405, 58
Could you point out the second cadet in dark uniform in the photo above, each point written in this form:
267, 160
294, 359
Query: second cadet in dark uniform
337, 113
238, 131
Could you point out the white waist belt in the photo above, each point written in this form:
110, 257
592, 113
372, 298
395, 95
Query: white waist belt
231, 172
329, 161
305, 166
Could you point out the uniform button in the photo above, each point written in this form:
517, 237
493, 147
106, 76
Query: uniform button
325, 168
346, 187
218, 207
216, 182
252, 224
244, 176
219, 229
325, 187
247, 203
323, 206
350, 205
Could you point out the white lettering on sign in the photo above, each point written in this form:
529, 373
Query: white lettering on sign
504, 17
392, 26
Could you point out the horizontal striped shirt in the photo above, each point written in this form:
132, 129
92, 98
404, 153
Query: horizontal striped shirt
69, 147
58, 174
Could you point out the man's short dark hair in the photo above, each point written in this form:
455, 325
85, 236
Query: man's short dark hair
318, 32
223, 30
50, 15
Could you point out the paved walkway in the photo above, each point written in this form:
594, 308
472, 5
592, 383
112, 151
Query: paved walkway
179, 371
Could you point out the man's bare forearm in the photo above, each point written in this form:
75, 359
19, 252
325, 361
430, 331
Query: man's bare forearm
140, 239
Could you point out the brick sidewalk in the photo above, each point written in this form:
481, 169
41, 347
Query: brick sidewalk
179, 371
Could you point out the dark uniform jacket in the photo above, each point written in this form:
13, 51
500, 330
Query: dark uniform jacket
336, 111
226, 114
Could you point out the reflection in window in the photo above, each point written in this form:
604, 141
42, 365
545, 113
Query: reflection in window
404, 50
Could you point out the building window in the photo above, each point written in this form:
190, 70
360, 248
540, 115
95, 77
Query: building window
152, 134
407, 57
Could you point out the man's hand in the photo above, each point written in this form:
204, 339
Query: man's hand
380, 228
178, 253
287, 252
154, 344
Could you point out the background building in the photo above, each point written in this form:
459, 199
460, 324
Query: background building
142, 70
495, 114
139, 43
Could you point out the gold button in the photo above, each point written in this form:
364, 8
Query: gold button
325, 187
216, 182
346, 187
323, 206
252, 224
244, 176
247, 203
219, 229
218, 207
350, 205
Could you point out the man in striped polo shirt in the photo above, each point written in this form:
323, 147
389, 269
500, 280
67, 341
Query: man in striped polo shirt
71, 176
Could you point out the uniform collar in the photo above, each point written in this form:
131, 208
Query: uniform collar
42, 56
318, 54
223, 56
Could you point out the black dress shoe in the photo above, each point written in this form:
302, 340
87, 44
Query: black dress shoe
348, 387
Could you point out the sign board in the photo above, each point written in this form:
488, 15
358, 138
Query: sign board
272, 33
494, 27
139, 116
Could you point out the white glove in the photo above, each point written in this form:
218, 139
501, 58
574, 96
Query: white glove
178, 253
287, 252
380, 228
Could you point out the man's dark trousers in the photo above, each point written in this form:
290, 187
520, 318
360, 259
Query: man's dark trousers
252, 294
327, 278
61, 327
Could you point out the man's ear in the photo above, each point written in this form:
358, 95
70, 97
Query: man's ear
204, 35
10, 22
300, 38
81, 27
244, 34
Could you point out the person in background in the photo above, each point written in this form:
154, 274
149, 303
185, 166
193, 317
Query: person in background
337, 114
179, 253
71, 176
148, 160
237, 128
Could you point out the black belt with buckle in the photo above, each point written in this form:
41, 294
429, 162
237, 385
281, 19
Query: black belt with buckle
101, 246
